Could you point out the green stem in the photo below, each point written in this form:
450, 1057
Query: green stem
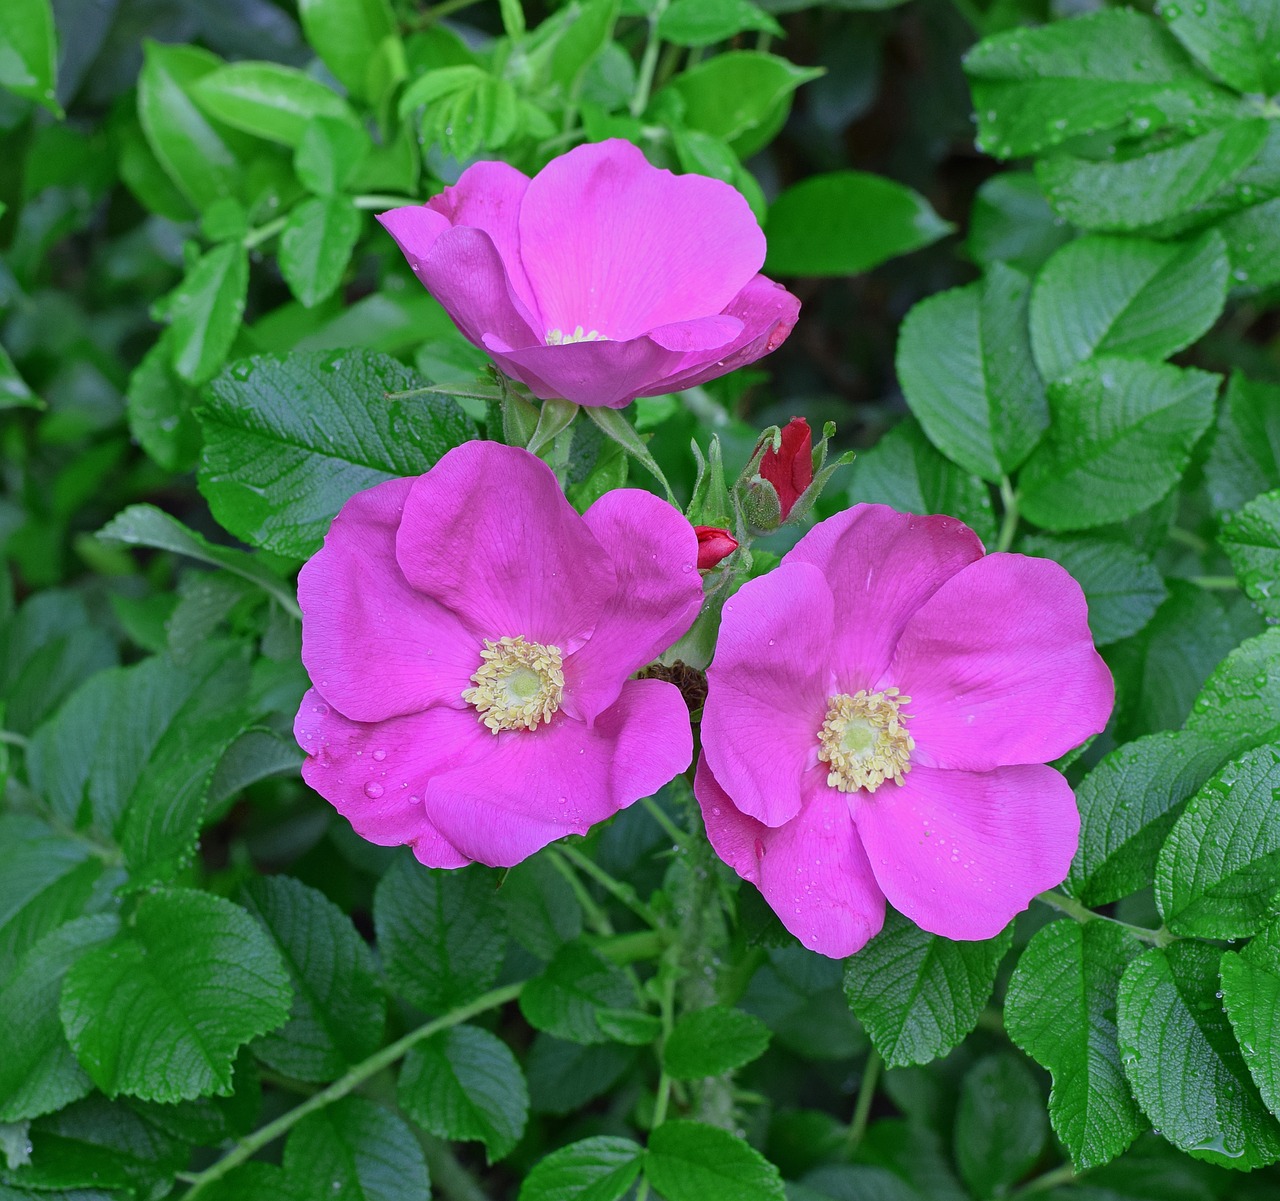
677, 835
1215, 583
596, 916
1064, 1174
648, 61
440, 11
377, 201
1082, 913
1188, 539
1009, 527
862, 1107
616, 889
255, 237
252, 1143
468, 390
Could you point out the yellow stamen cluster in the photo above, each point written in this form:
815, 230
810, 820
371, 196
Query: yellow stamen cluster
518, 684
865, 741
557, 337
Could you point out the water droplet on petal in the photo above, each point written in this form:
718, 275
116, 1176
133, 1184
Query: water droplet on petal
379, 755
373, 790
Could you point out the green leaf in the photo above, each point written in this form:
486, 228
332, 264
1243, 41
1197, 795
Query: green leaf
330, 153
160, 1011
1035, 88
1219, 871
918, 994
1121, 438
1251, 540
1109, 196
14, 393
289, 440
1245, 457
845, 223
464, 1083
1012, 223
1238, 40
687, 1161
596, 1169
964, 359
710, 1042
316, 246
268, 100
1251, 997
541, 909
38, 1072
905, 471
161, 408
338, 1010
348, 35
1121, 584
1253, 244
1183, 1063
618, 429
1061, 1010
1240, 700
440, 933
572, 988
800, 998
355, 1150
1000, 1127
29, 51
705, 22
205, 310
1122, 296
564, 1076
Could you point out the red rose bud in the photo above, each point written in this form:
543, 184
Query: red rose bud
790, 468
713, 545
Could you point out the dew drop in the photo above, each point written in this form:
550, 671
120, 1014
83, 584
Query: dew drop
379, 755
373, 790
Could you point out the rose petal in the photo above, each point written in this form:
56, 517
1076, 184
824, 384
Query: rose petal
658, 594
613, 244
488, 533
960, 853
767, 690
373, 644
881, 566
564, 776
812, 870
1000, 667
706, 333
415, 228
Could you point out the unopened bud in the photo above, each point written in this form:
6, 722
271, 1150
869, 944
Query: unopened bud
714, 544
790, 468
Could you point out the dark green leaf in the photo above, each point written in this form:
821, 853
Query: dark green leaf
160, 1010
161, 408
1251, 539
799, 997
349, 35
709, 1042
1012, 223
1251, 997
1240, 700
268, 100
289, 440
564, 1076
1061, 1010
845, 223
541, 909
464, 1083
1000, 1124
1245, 457
14, 392
573, 987
687, 1161
316, 246
596, 1169
918, 994
205, 311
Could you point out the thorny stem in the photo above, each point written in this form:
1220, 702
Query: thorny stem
1082, 913
1009, 527
862, 1108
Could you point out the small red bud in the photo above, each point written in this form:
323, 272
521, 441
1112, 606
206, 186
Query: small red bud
714, 544
790, 468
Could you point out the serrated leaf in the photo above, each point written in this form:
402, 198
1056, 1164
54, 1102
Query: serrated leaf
1182, 1060
1244, 459
440, 933
1012, 223
1252, 236
1061, 1010
38, 1072
1035, 88
709, 1042
464, 1083
1121, 584
564, 1076
1123, 296
541, 908
1240, 700
355, 1150
1238, 40
1219, 871
596, 1169
687, 1161
564, 998
919, 994
1251, 540
1251, 996
205, 311
1000, 1126
338, 1009
289, 440
160, 1011
316, 246
268, 100
1121, 438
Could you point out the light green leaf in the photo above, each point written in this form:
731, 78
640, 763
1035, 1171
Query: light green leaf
1240, 702
1251, 540
918, 994
1183, 1063
712, 1041
440, 933
618, 429
330, 153
205, 310
1251, 997
1000, 1125
160, 1011
462, 1084
688, 1161
1061, 1010
316, 246
268, 100
596, 1169
845, 223
1238, 40
1122, 296
705, 22
1245, 457
1253, 244
29, 52
1121, 438
349, 35
572, 988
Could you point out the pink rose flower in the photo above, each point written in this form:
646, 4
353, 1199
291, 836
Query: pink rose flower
469, 638
880, 711
602, 278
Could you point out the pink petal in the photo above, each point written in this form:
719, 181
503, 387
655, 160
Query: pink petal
658, 594
415, 228
376, 774
1001, 668
616, 245
375, 646
562, 778
812, 870
767, 690
488, 533
881, 566
960, 853
706, 333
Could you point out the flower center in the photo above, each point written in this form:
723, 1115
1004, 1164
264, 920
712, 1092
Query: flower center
865, 741
557, 337
517, 685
